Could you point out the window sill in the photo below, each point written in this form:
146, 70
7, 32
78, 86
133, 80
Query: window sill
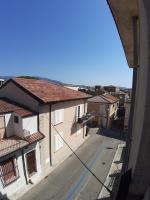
58, 123
5, 184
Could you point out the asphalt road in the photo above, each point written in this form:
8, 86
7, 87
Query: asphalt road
71, 180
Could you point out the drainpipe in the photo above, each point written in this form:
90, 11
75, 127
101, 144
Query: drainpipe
24, 168
50, 136
83, 124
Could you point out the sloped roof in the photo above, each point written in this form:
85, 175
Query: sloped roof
11, 144
110, 98
7, 106
47, 92
105, 98
34, 137
98, 99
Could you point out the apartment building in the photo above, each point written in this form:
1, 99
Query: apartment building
104, 108
111, 88
19, 147
133, 22
58, 109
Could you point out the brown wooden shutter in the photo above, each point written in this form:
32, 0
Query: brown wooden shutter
8, 170
31, 162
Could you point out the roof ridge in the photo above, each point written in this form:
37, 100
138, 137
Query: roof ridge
56, 92
104, 98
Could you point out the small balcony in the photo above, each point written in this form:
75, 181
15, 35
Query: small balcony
85, 118
14, 143
11, 144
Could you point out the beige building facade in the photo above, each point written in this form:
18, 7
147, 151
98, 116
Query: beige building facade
57, 119
104, 108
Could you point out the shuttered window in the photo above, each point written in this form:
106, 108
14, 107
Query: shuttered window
58, 141
9, 171
58, 116
79, 111
31, 163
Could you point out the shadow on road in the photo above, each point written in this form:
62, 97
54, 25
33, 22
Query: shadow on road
112, 133
3, 197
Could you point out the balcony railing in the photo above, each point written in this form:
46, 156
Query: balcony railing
85, 118
9, 145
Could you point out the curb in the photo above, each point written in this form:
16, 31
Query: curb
115, 168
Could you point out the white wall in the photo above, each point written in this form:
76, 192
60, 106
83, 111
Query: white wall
11, 127
19, 183
36, 147
9, 124
30, 124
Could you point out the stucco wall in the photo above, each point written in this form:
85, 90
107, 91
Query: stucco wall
30, 124
70, 130
14, 93
113, 109
11, 127
35, 146
20, 182
44, 127
102, 111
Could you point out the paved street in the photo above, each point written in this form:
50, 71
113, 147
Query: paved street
71, 180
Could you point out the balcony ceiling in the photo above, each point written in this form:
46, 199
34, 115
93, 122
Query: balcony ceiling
123, 11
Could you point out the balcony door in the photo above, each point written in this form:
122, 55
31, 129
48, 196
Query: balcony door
31, 163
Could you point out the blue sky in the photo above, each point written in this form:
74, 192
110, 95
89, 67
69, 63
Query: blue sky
74, 41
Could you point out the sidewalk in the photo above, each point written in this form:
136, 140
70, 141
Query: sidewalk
113, 175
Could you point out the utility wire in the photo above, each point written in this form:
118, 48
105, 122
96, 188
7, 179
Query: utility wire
82, 162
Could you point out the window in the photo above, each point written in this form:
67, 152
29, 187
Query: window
9, 171
16, 119
58, 116
58, 141
31, 162
79, 111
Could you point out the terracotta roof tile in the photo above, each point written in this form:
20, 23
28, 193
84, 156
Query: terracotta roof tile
49, 92
105, 98
11, 144
34, 137
7, 106
110, 98
97, 99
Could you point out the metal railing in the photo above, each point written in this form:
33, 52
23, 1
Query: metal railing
10, 148
85, 118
